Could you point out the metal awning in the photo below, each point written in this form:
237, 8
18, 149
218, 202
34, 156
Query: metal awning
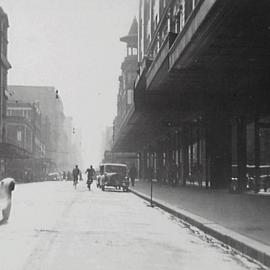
11, 151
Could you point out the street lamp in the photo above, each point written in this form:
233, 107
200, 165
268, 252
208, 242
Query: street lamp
151, 187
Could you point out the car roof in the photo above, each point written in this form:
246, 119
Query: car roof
113, 164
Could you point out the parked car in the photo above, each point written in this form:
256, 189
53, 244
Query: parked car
113, 175
53, 176
263, 181
7, 185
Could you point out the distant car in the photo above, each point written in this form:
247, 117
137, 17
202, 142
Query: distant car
53, 176
7, 185
113, 175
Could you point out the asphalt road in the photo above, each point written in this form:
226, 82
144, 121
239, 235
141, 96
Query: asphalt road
52, 226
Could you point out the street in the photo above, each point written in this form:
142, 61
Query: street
54, 226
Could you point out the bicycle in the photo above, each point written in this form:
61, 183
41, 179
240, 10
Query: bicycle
89, 182
75, 182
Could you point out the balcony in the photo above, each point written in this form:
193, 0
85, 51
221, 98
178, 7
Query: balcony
173, 34
178, 56
180, 61
160, 66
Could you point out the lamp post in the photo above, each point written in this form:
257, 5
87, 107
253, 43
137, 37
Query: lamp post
151, 186
151, 193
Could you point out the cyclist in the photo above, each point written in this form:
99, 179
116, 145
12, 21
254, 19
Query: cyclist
75, 173
90, 175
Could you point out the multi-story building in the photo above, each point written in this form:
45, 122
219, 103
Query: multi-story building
125, 100
7, 150
53, 120
23, 129
4, 67
201, 100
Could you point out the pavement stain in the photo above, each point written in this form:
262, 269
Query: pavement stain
47, 231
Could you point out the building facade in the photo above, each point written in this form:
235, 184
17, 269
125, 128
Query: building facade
4, 67
23, 129
125, 97
200, 97
53, 122
7, 150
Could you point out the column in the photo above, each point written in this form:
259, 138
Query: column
242, 152
185, 156
218, 148
257, 150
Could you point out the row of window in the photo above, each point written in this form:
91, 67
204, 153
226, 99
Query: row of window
19, 112
176, 16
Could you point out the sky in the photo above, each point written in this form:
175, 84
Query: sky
75, 47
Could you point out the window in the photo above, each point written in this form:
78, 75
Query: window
19, 136
135, 52
129, 96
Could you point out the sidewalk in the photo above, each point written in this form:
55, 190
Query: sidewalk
240, 220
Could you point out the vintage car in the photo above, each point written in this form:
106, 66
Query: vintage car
113, 175
53, 176
7, 185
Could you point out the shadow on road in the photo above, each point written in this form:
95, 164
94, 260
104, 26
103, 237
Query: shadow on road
114, 190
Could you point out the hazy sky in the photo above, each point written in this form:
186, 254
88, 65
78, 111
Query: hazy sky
74, 46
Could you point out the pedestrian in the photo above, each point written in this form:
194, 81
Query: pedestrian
75, 173
173, 173
133, 174
90, 176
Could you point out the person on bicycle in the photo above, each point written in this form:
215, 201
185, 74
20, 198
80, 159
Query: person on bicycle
75, 173
90, 176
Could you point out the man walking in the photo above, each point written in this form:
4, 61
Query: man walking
75, 173
90, 176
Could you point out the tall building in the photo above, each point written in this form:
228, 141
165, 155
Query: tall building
53, 120
4, 67
23, 129
8, 150
125, 98
201, 99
